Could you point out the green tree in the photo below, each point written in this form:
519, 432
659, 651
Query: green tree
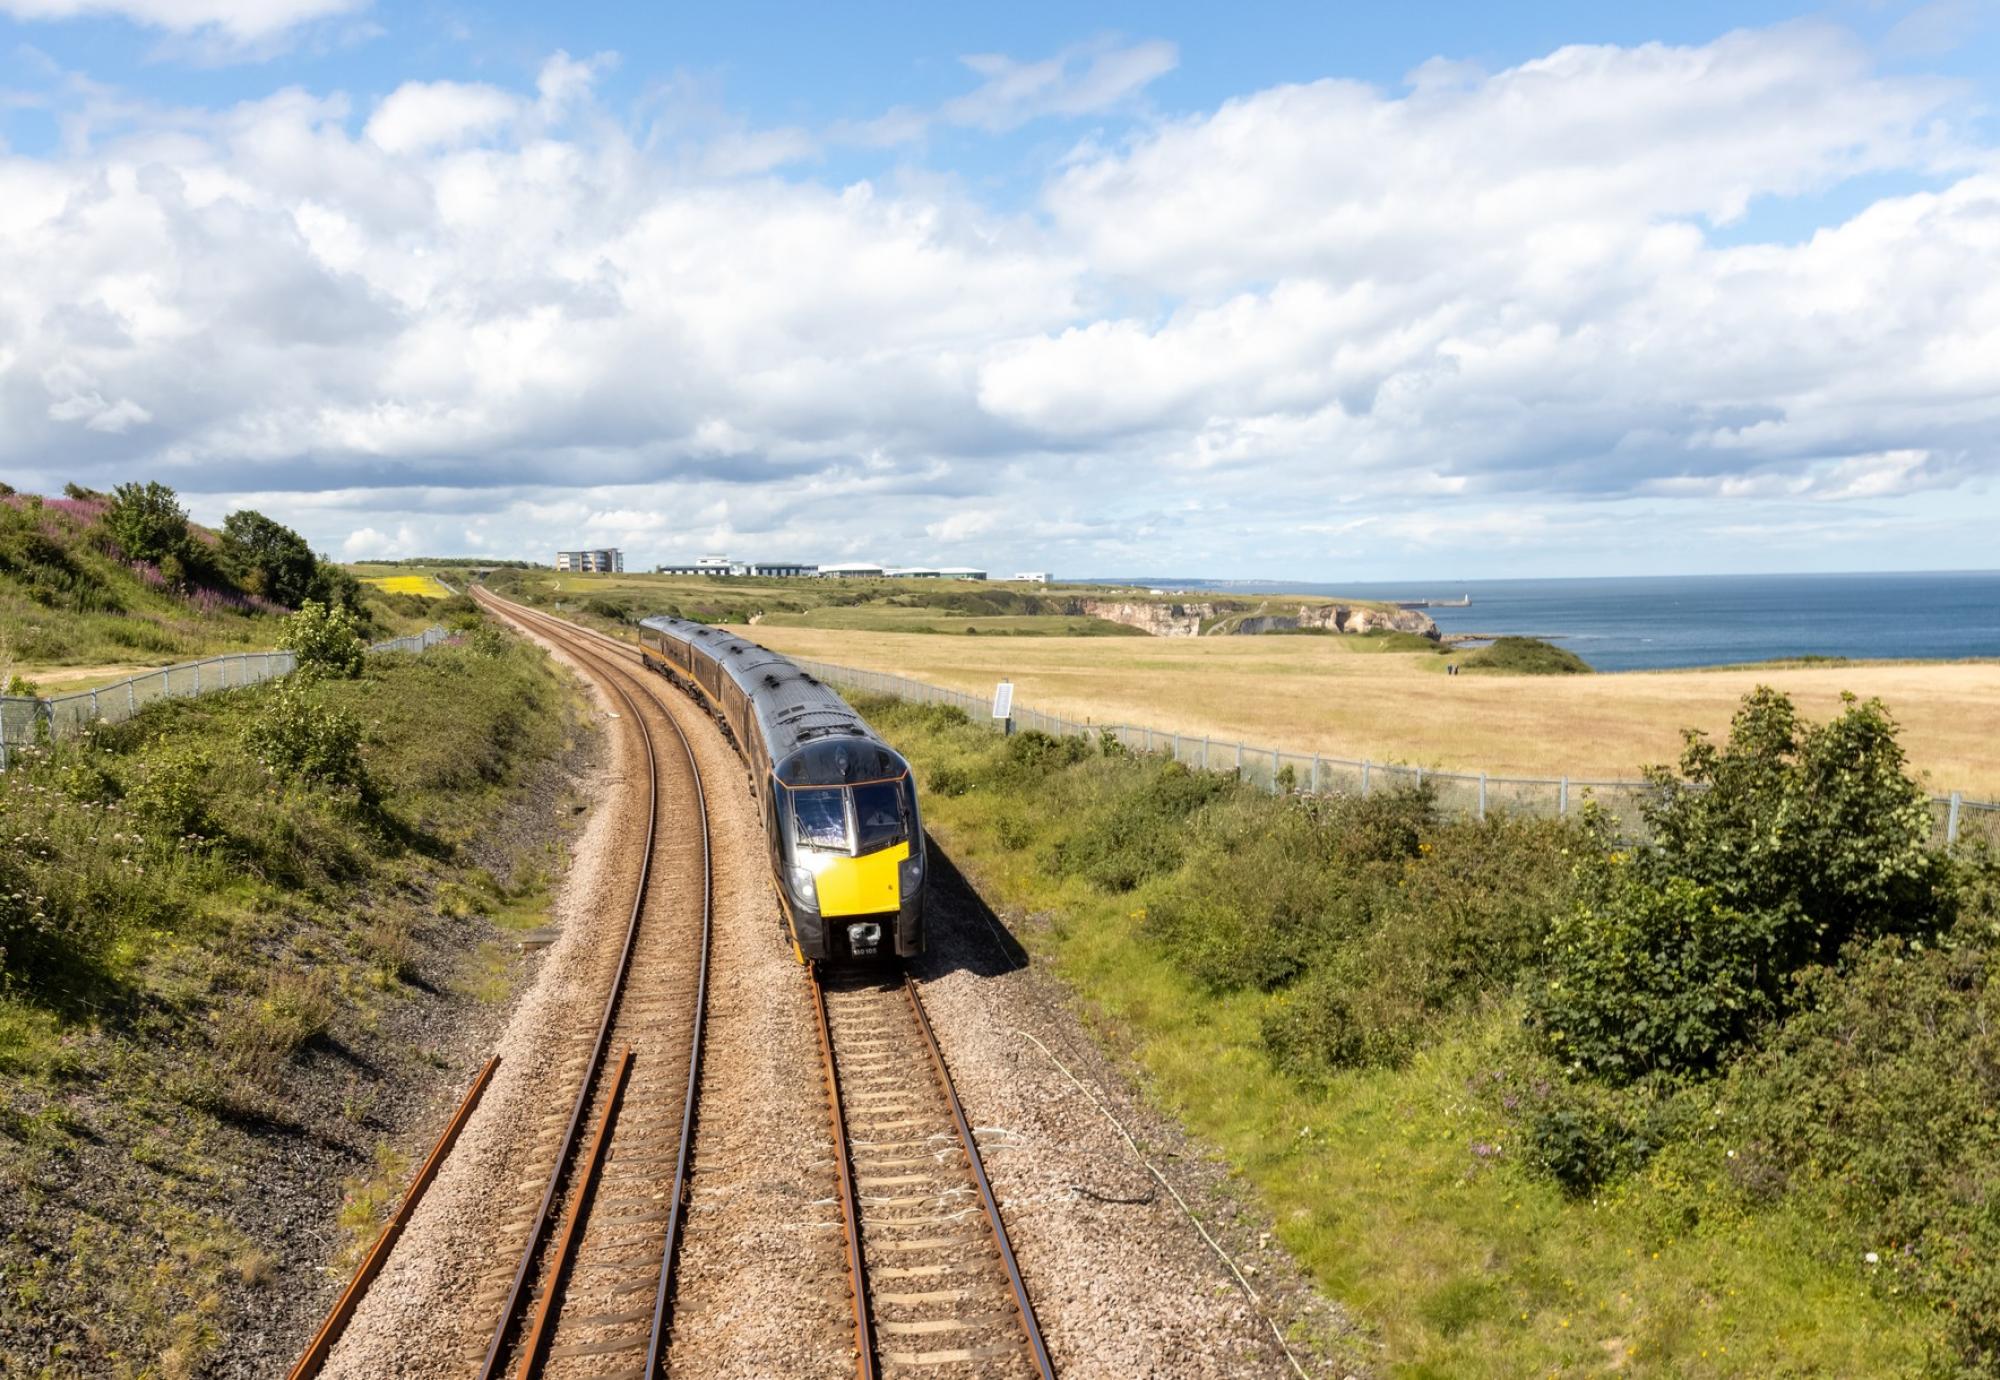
302, 738
1818, 821
268, 558
325, 639
148, 522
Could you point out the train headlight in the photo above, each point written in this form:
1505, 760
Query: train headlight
805, 890
910, 871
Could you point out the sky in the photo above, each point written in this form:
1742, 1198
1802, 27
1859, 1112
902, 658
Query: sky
1300, 292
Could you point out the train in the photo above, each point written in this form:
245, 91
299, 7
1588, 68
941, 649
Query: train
839, 805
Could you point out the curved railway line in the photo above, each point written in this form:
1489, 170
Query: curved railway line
588, 1288
592, 1297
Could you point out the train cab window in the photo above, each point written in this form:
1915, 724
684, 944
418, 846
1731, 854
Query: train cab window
820, 817
881, 815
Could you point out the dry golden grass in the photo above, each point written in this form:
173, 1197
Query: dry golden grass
1331, 695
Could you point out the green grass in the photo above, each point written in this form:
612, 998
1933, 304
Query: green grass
1402, 1186
181, 928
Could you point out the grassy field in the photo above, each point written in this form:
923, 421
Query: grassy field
1406, 1183
1354, 697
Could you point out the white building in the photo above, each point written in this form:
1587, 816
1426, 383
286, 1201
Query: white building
604, 561
852, 570
961, 572
1032, 577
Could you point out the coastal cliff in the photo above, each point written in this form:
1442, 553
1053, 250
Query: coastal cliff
1224, 616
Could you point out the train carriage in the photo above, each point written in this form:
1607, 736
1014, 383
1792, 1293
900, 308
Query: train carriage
839, 805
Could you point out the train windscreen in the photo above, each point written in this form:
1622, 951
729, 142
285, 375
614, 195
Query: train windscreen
881, 815
820, 817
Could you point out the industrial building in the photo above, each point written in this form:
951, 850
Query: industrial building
1032, 577
604, 561
852, 570
722, 565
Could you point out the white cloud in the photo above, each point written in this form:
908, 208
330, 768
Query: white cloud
245, 21
419, 116
1450, 319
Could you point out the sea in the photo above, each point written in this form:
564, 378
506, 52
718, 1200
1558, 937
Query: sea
1657, 622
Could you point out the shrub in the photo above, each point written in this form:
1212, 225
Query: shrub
1653, 977
171, 791
1527, 656
1140, 834
1818, 822
268, 558
299, 737
148, 523
325, 639
1584, 1135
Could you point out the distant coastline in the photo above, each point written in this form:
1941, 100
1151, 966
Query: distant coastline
1657, 622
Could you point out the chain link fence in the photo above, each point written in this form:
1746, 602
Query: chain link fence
1276, 770
25, 721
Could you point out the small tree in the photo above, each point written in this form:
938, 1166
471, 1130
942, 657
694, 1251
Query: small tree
268, 558
302, 738
148, 523
325, 640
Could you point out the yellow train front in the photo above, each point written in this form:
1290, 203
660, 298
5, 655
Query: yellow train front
839, 805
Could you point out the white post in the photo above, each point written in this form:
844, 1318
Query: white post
1562, 799
1482, 795
1239, 759
93, 705
1204, 752
1275, 769
1951, 820
1364, 778
131, 699
1315, 784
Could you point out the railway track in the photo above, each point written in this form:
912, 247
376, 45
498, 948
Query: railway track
934, 1284
936, 1288
590, 1289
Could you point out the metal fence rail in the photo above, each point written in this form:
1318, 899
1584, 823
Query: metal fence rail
1277, 770
25, 721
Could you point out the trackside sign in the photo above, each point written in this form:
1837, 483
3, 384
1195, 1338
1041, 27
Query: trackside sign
1003, 700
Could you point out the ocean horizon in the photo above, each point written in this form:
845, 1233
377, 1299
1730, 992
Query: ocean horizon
1663, 622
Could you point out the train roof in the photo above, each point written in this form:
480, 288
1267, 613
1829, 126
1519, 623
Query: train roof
814, 737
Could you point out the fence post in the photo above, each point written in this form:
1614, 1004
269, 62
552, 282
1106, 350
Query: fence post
1204, 752
1562, 799
93, 706
1420, 778
1364, 779
1951, 820
1149, 740
1315, 784
1239, 759
1276, 767
1482, 795
197, 678
131, 698
1177, 747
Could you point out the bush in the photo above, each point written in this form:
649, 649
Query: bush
171, 791
1818, 822
1142, 832
301, 738
1527, 656
1653, 977
1583, 1135
325, 639
148, 523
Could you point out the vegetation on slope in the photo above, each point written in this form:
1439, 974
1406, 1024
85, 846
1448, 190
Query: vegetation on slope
226, 926
1525, 656
1532, 1100
125, 579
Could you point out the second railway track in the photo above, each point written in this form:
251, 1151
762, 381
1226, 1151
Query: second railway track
589, 1290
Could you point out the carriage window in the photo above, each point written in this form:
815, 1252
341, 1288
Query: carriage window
820, 817
880, 816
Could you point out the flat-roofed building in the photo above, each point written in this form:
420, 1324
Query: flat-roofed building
911, 572
960, 572
852, 570
608, 560
777, 570
1032, 577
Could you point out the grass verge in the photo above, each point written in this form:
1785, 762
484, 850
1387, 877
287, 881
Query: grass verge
1332, 995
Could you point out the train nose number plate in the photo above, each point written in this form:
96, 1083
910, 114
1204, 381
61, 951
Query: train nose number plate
864, 939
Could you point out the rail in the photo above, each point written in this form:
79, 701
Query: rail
26, 720
1953, 817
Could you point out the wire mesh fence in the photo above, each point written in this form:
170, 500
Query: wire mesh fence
25, 721
1279, 771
